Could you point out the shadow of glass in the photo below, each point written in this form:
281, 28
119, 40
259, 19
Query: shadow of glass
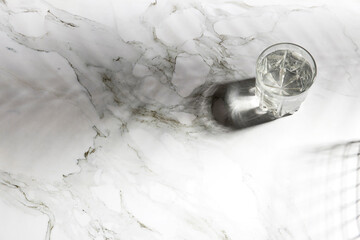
235, 105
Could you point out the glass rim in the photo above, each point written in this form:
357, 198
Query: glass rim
293, 44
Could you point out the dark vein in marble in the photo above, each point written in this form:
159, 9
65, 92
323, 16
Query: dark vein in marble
142, 225
8, 181
68, 24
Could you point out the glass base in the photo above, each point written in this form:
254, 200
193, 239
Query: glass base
279, 106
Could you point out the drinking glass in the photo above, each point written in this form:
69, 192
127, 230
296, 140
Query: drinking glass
284, 74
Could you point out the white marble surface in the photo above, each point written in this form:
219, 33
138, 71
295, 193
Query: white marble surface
105, 131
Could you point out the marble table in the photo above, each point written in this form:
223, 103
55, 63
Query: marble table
107, 129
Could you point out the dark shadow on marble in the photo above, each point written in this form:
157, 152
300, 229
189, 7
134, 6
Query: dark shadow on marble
235, 105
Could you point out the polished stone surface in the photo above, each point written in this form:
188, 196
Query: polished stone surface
120, 120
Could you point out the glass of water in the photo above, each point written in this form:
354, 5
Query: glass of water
284, 74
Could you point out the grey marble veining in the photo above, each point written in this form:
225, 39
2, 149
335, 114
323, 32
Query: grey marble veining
107, 128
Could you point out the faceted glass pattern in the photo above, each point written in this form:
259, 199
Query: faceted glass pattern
283, 77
